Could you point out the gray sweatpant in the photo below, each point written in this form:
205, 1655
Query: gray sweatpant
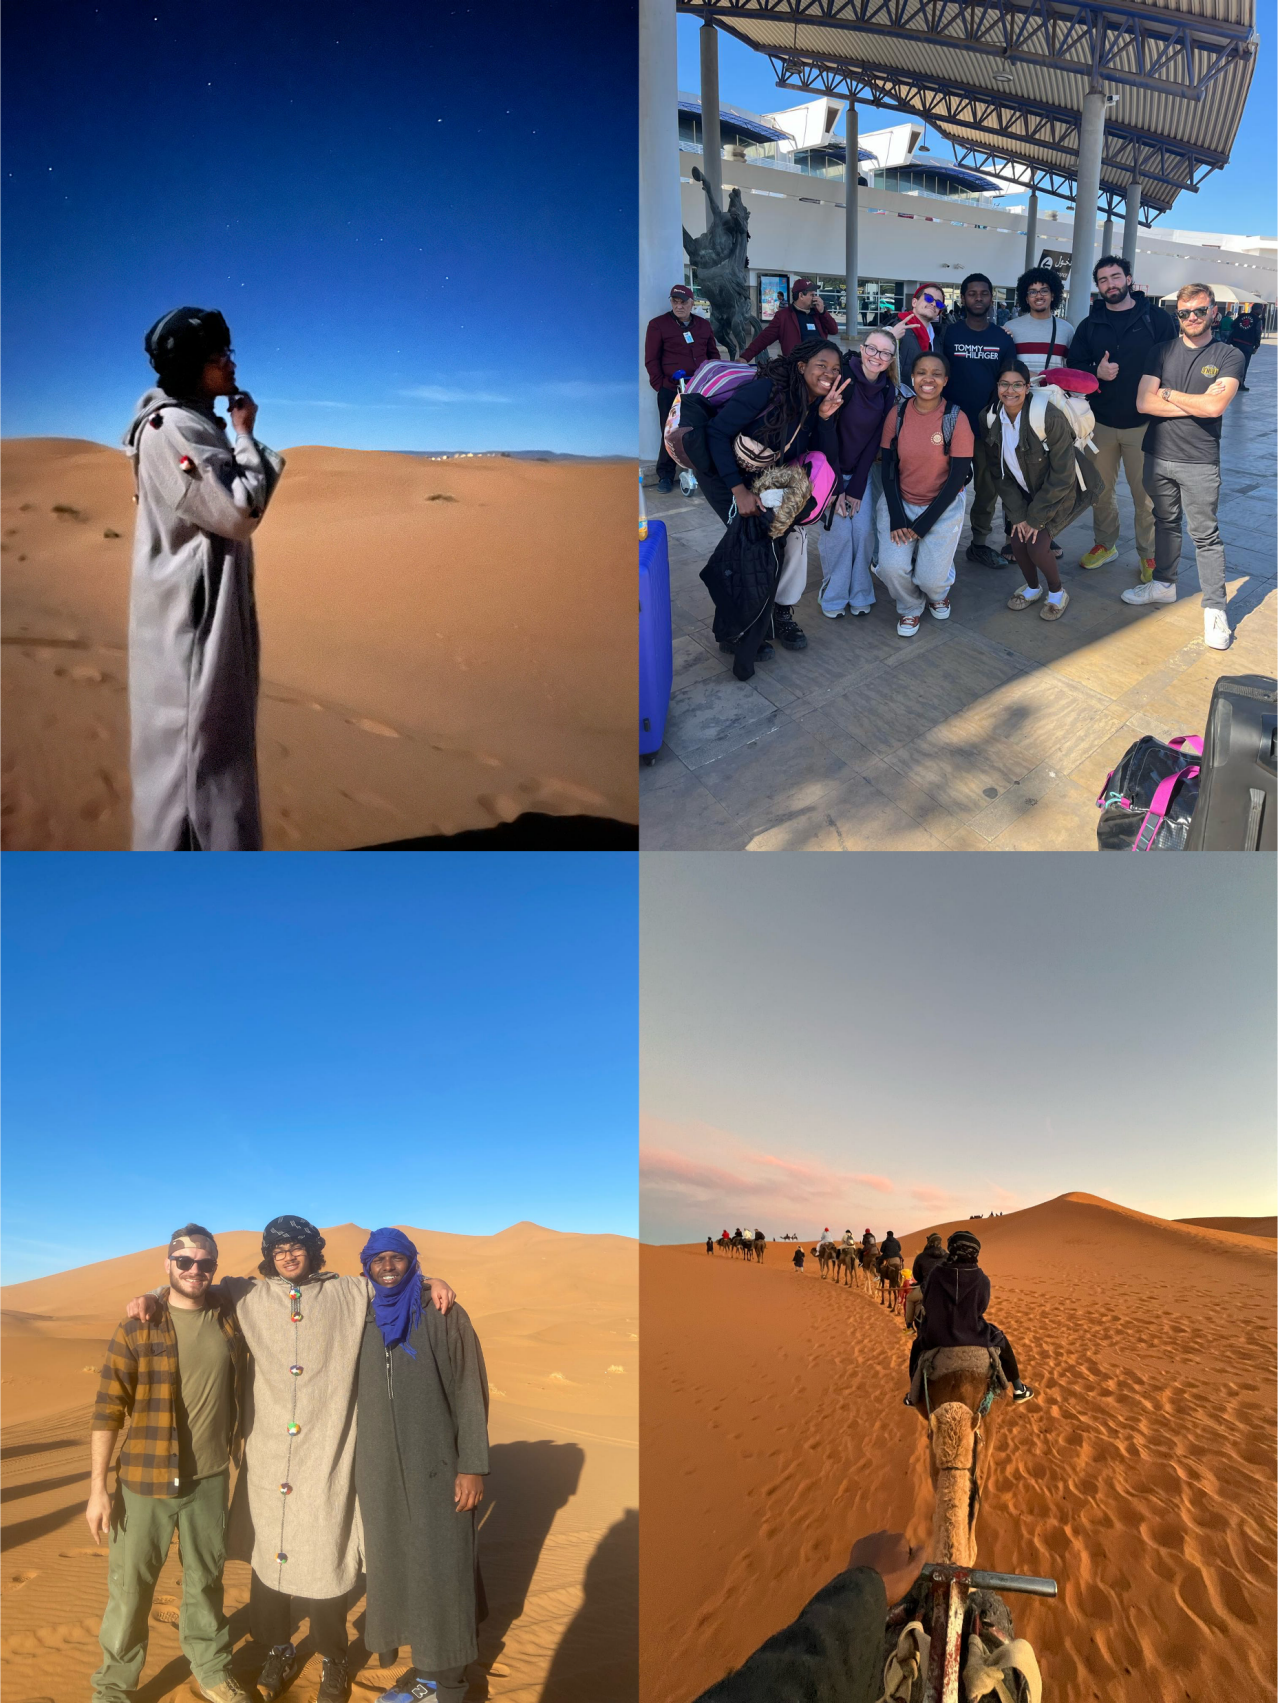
1190, 489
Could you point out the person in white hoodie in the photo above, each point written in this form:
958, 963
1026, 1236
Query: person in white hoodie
193, 626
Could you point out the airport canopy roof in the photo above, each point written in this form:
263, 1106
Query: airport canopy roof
1003, 80
734, 118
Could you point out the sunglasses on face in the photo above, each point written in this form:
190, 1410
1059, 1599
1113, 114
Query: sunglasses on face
1194, 312
932, 301
184, 1263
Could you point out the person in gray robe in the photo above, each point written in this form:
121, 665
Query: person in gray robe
422, 1451
193, 626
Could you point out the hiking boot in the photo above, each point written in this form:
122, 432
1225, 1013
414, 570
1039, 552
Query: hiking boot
985, 556
1217, 634
785, 630
1099, 556
1154, 591
335, 1683
941, 610
279, 1671
227, 1690
1023, 1392
1146, 571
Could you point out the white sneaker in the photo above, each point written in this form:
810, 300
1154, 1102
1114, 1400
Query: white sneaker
1217, 634
1153, 591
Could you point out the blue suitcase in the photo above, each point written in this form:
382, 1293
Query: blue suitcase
655, 640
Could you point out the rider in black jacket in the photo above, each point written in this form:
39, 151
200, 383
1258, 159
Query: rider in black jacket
891, 1247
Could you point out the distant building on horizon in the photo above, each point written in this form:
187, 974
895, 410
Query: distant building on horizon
913, 210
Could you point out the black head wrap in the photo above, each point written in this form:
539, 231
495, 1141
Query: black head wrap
290, 1229
179, 344
963, 1248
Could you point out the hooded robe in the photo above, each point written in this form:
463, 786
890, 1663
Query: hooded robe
193, 628
422, 1421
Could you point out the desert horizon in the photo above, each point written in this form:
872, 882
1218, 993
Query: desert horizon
1141, 1478
443, 644
557, 1317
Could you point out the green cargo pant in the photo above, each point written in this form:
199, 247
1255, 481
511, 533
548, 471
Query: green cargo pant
141, 1531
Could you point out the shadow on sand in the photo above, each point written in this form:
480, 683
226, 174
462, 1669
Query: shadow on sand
600, 1651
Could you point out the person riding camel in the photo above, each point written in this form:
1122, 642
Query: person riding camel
848, 1239
891, 1247
933, 1253
956, 1295
869, 1239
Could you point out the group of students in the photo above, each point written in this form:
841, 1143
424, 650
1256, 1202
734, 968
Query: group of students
924, 407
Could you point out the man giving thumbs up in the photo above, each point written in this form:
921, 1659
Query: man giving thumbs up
1113, 342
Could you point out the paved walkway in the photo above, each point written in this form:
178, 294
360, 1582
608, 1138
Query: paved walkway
989, 732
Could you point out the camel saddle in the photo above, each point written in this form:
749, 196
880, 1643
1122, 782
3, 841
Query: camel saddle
935, 1361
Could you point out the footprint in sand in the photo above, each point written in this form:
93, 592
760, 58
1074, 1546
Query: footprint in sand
16, 1581
378, 727
166, 1616
66, 1554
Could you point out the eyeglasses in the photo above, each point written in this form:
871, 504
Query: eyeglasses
1039, 290
879, 354
1194, 312
185, 1263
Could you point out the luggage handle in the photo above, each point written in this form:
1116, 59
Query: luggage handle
1158, 808
1253, 827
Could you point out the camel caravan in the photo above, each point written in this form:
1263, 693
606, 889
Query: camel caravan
743, 1244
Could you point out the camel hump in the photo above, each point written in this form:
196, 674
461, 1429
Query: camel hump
959, 1360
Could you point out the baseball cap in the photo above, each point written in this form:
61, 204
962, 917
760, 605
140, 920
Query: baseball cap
683, 291
801, 287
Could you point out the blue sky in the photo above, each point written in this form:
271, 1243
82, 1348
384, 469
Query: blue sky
869, 1040
1239, 199
419, 221
441, 1041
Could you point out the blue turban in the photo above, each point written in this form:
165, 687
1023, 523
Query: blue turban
397, 1311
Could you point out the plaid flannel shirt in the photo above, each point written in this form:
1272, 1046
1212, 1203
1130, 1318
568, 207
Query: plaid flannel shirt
139, 1382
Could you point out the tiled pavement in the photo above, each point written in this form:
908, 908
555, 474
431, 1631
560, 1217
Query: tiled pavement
990, 732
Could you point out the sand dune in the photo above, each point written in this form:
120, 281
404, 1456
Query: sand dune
1142, 1478
1264, 1227
557, 1316
445, 645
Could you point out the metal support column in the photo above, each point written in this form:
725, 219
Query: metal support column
1132, 209
661, 247
1033, 236
850, 221
1108, 235
1084, 234
709, 54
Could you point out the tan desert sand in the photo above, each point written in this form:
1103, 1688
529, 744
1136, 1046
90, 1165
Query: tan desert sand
557, 1317
445, 645
1142, 1478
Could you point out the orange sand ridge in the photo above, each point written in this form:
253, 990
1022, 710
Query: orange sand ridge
557, 1318
445, 645
1142, 1478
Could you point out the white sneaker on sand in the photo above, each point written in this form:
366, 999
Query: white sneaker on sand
1217, 634
1153, 591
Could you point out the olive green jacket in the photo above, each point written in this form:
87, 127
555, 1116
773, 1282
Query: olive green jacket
1053, 497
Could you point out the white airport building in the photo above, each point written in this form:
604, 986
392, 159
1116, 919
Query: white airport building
920, 218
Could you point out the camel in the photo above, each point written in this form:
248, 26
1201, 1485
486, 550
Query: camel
890, 1279
958, 1406
758, 1247
826, 1256
846, 1257
867, 1259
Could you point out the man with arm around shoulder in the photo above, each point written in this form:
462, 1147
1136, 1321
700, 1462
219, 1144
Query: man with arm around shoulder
179, 1380
1186, 387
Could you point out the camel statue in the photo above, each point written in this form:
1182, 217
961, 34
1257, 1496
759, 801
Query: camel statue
719, 256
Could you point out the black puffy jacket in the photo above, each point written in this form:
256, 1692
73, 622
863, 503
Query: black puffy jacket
956, 1298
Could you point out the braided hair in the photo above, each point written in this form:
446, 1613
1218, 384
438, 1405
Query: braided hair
790, 401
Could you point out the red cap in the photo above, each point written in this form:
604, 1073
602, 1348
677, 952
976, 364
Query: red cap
800, 287
683, 291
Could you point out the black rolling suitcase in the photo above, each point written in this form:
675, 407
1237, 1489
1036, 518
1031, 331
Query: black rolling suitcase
1236, 809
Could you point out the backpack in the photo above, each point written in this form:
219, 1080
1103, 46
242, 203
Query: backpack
1148, 799
685, 431
1079, 416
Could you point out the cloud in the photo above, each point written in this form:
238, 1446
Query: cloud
443, 394
926, 1196
586, 390
676, 1174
